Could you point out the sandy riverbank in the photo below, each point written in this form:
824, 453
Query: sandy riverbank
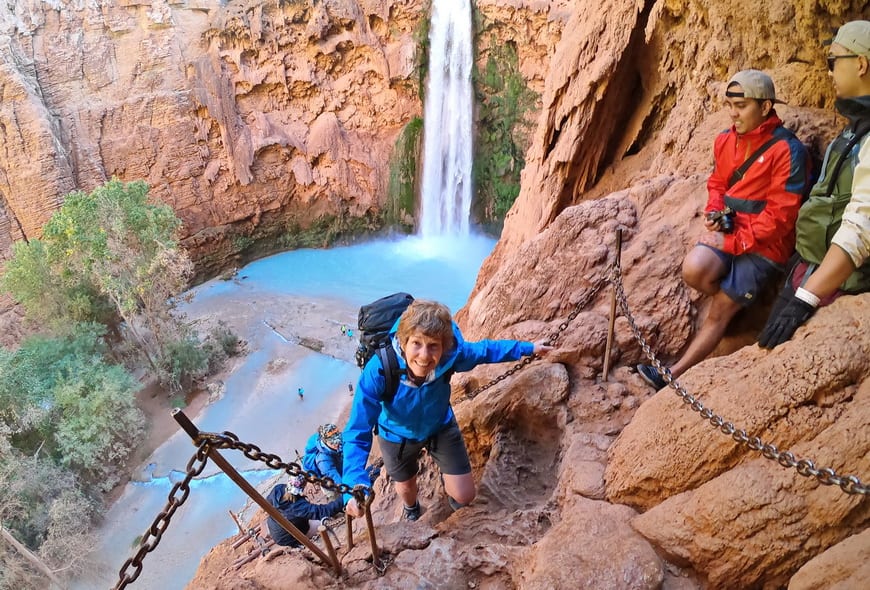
314, 324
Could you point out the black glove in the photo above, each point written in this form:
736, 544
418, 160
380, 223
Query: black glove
783, 322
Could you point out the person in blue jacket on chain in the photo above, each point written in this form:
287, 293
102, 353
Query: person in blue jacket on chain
430, 348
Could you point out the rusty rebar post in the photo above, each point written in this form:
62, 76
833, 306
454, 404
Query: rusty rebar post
371, 526
610, 327
324, 534
213, 454
349, 519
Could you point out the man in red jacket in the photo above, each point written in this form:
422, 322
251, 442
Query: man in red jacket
760, 175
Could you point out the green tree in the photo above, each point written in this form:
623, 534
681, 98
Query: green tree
114, 239
109, 257
60, 399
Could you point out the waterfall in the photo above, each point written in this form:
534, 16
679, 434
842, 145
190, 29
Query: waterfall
447, 130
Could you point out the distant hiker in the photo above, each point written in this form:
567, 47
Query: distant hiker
294, 506
760, 174
349, 333
350, 388
343, 329
833, 226
418, 415
301, 393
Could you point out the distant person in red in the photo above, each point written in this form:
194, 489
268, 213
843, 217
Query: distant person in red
761, 172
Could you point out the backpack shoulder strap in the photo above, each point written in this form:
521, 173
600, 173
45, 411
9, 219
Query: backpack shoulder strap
860, 132
392, 374
737, 176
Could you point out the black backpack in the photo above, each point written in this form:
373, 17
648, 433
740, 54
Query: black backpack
374, 323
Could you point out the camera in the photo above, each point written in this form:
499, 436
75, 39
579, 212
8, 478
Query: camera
723, 218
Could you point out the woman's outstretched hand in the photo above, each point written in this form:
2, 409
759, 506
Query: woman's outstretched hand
541, 348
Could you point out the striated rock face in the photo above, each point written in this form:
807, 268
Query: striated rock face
845, 565
740, 518
248, 118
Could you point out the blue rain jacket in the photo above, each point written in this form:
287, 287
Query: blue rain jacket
415, 413
298, 513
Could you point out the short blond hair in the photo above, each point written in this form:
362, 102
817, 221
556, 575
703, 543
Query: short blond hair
431, 318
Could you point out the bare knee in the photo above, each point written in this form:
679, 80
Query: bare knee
466, 497
460, 487
702, 270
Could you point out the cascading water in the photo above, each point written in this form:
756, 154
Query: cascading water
447, 146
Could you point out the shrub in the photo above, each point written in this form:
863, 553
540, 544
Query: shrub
42, 506
60, 399
184, 361
403, 173
503, 131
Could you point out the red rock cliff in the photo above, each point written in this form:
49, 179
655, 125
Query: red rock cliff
583, 482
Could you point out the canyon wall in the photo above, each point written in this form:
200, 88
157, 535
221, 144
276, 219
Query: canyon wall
250, 119
254, 117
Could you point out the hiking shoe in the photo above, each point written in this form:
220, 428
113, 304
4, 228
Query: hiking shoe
412, 513
651, 376
454, 505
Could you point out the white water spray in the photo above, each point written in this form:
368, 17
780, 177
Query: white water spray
447, 145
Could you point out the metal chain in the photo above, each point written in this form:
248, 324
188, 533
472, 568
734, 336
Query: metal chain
550, 341
155, 532
205, 442
382, 563
228, 440
827, 476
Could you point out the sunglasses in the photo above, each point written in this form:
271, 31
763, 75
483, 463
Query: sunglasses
832, 60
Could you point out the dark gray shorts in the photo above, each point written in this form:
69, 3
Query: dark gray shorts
447, 448
745, 276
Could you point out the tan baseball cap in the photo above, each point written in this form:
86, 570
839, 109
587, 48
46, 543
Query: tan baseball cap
755, 83
855, 36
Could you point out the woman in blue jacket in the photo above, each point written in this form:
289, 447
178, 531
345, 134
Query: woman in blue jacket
430, 348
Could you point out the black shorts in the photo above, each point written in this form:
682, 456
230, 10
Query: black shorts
447, 448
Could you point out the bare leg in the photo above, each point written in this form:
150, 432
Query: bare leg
460, 487
703, 270
407, 491
722, 309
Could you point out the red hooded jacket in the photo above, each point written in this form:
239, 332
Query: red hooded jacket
767, 199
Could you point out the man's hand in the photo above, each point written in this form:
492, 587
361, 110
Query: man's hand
781, 325
352, 508
710, 225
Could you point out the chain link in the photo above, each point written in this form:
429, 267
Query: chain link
228, 440
206, 441
849, 483
550, 341
155, 532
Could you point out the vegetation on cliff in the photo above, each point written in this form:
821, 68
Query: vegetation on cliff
504, 103
400, 206
101, 282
